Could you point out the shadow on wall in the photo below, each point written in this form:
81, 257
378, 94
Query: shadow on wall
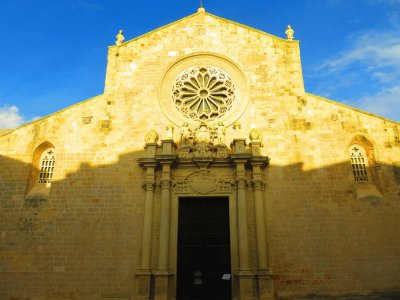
82, 241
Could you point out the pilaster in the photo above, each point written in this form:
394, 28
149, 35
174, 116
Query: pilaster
143, 276
264, 275
166, 159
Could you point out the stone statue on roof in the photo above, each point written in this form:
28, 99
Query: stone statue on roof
289, 33
120, 38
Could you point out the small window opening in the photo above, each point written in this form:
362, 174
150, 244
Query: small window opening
359, 163
47, 166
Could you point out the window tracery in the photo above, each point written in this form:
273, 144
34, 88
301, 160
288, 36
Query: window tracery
47, 163
359, 163
203, 93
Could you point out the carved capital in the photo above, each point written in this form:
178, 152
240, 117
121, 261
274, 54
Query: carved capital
165, 183
241, 183
149, 186
258, 184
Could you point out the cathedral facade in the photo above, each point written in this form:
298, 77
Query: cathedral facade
204, 171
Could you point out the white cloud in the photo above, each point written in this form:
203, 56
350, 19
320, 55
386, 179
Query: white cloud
385, 103
10, 117
376, 52
371, 65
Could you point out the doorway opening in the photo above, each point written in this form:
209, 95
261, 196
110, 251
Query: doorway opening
204, 254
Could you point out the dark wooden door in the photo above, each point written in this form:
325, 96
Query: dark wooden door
203, 249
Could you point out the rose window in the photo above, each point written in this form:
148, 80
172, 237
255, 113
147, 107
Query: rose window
203, 93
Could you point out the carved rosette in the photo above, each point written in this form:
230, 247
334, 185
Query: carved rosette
204, 182
222, 151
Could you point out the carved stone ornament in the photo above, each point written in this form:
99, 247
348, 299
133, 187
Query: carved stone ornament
202, 150
203, 93
204, 182
170, 131
120, 38
255, 135
289, 33
151, 137
204, 141
222, 151
87, 120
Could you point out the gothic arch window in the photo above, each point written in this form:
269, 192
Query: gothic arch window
47, 162
362, 159
43, 167
359, 163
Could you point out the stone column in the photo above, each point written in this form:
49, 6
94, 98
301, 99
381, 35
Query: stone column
165, 218
240, 157
162, 273
265, 280
143, 276
242, 218
148, 218
259, 214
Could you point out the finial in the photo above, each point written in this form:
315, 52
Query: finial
120, 38
201, 8
289, 33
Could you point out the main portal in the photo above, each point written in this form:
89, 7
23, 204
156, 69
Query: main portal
204, 261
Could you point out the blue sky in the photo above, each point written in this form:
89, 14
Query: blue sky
54, 52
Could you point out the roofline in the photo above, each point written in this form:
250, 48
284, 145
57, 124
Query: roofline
214, 16
352, 108
7, 131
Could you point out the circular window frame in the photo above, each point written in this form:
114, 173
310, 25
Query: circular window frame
238, 78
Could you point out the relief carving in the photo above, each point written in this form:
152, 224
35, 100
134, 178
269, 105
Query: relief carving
151, 137
182, 187
256, 135
204, 182
204, 141
202, 150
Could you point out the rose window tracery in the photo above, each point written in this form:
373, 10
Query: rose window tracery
203, 93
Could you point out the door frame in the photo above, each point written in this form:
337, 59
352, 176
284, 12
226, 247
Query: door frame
233, 231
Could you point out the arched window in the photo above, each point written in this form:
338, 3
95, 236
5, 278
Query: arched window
359, 163
47, 161
43, 166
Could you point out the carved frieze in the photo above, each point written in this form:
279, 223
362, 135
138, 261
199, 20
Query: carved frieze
204, 182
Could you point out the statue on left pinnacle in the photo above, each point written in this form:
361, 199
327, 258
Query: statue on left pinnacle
120, 38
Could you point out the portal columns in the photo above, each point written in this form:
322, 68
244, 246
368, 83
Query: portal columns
162, 274
240, 158
264, 275
143, 276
